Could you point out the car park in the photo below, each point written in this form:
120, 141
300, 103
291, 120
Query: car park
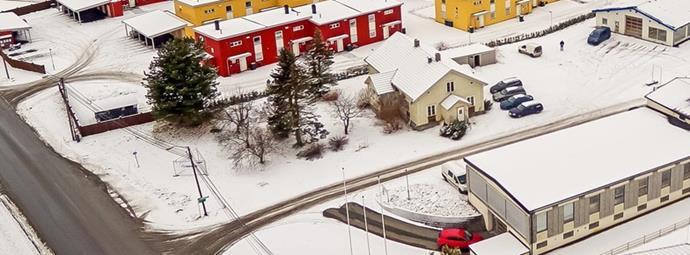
508, 92
532, 49
457, 238
514, 101
505, 83
526, 108
599, 35
455, 174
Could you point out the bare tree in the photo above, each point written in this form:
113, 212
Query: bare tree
345, 109
240, 115
248, 143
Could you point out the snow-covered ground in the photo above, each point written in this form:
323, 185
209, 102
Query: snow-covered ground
15, 232
429, 199
679, 236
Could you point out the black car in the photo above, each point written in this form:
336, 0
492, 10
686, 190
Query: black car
526, 108
514, 101
508, 92
506, 83
599, 35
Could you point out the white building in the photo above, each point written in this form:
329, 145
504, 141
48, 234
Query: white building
660, 21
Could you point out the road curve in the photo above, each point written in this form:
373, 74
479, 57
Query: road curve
69, 207
220, 237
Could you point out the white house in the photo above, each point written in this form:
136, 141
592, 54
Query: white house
660, 21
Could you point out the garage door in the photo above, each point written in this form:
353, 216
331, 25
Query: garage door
633, 26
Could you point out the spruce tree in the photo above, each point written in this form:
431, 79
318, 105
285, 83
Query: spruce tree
318, 60
279, 93
179, 85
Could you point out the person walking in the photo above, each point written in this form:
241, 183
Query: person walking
562, 44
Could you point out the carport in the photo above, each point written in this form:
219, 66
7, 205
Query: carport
76, 8
154, 25
11, 27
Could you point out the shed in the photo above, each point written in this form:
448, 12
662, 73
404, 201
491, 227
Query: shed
474, 55
13, 28
91, 10
156, 26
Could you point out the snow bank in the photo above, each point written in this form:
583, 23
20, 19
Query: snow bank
429, 199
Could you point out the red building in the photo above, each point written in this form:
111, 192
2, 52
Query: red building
255, 40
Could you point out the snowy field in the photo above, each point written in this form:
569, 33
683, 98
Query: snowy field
430, 199
580, 79
13, 238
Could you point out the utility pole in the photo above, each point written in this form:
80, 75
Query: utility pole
347, 212
201, 199
51, 58
383, 220
136, 158
407, 179
6, 70
366, 225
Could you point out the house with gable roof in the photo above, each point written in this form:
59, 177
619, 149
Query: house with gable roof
414, 80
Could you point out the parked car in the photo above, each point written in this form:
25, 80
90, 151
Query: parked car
455, 174
526, 108
457, 238
599, 35
505, 83
531, 49
514, 101
508, 92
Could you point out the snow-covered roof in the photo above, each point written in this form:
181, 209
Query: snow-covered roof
451, 100
586, 157
277, 17
503, 244
11, 5
530, 103
329, 12
415, 73
369, 6
680, 249
674, 95
672, 13
382, 82
229, 28
11, 22
155, 23
472, 49
82, 5
195, 3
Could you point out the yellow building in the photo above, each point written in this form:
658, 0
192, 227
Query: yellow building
200, 12
474, 14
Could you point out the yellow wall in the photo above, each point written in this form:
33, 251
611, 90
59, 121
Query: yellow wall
460, 12
464, 87
197, 15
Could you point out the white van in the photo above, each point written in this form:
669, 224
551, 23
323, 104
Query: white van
454, 173
531, 49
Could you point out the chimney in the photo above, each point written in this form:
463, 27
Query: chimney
287, 9
416, 43
438, 57
217, 25
313, 8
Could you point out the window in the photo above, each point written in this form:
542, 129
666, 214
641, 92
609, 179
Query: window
470, 99
258, 50
617, 216
604, 21
334, 25
431, 110
686, 171
248, 4
228, 8
541, 222
664, 198
594, 225
666, 179
450, 86
372, 25
568, 235
619, 195
642, 207
643, 185
388, 12
568, 212
298, 28
657, 34
542, 244
209, 11
353, 31
594, 204
235, 43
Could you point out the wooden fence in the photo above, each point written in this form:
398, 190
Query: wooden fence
23, 65
32, 8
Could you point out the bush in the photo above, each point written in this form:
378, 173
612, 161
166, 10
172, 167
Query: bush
392, 126
312, 151
488, 104
331, 96
363, 98
454, 131
337, 143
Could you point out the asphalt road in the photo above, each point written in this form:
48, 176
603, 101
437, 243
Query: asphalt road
69, 207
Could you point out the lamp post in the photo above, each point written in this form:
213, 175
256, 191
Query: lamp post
366, 225
551, 18
347, 212
6, 70
51, 58
383, 219
136, 158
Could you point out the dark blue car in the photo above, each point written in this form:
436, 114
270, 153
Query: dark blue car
599, 35
514, 101
526, 108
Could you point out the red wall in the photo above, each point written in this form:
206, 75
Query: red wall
221, 50
145, 2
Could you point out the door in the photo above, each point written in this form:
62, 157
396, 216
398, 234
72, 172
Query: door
295, 49
386, 32
132, 3
228, 10
519, 10
243, 64
461, 114
353, 31
258, 51
279, 42
633, 26
340, 45
477, 61
248, 7
616, 26
481, 20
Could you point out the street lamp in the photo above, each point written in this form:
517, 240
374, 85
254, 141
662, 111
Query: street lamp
51, 58
551, 18
347, 212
